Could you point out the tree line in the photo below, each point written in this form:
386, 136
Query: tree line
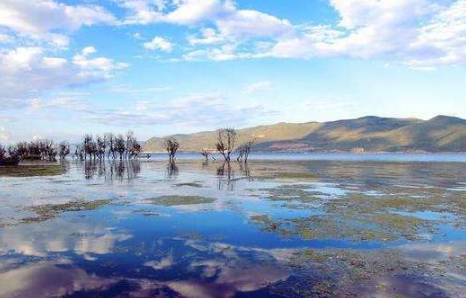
108, 146
45, 150
111, 146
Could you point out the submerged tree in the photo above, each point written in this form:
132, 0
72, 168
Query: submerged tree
171, 146
63, 149
101, 147
9, 157
130, 139
244, 151
226, 139
135, 149
2, 152
120, 145
206, 154
110, 139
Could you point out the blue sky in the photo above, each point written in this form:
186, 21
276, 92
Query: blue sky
159, 67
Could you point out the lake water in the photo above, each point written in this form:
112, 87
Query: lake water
284, 225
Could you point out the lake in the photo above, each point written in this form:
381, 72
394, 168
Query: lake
283, 225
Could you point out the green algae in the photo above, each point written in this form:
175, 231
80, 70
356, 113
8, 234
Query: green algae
49, 211
181, 200
32, 170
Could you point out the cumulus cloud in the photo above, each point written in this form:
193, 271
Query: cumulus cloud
221, 22
159, 43
418, 33
28, 71
49, 20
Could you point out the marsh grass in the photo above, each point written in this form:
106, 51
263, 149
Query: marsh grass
181, 200
32, 170
49, 211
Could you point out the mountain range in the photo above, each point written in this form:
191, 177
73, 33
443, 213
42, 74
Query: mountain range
366, 134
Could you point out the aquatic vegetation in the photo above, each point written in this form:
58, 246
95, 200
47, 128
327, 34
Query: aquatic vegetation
32, 170
190, 184
181, 200
48, 211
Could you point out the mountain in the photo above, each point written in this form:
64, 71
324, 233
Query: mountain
369, 134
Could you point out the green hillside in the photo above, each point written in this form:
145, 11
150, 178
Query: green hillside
369, 134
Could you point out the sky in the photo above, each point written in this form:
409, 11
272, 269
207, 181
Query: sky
159, 67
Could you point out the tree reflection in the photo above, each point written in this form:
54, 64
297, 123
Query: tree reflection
225, 175
172, 169
110, 170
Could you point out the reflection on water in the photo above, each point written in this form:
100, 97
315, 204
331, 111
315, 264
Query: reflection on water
110, 170
211, 229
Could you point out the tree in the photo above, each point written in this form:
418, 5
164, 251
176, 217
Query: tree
206, 154
101, 147
110, 139
63, 149
2, 152
244, 151
171, 146
129, 142
120, 145
226, 142
9, 157
135, 149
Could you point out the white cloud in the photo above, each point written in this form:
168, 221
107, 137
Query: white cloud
230, 23
4, 136
65, 102
159, 43
198, 110
258, 87
419, 33
27, 72
49, 20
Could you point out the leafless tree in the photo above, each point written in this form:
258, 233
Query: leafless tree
129, 143
101, 147
171, 146
120, 145
206, 154
244, 151
9, 157
110, 138
226, 142
135, 149
63, 149
2, 152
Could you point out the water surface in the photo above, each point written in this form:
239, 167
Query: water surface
281, 226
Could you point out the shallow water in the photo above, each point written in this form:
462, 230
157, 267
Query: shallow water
272, 228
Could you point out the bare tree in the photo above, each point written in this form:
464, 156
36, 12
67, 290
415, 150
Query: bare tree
135, 149
110, 139
63, 149
2, 152
101, 147
129, 143
244, 151
9, 157
171, 146
206, 154
226, 142
120, 145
